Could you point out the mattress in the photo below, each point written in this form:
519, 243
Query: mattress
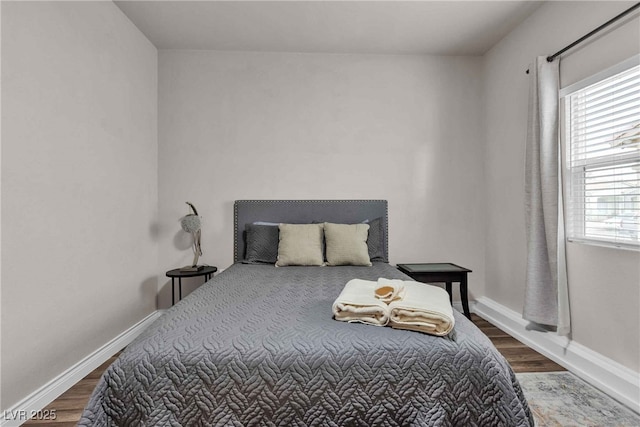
257, 345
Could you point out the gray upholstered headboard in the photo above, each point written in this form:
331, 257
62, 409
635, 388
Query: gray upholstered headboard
304, 212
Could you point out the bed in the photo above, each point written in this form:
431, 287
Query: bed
257, 345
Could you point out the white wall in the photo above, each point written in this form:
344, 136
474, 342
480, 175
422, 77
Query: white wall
1, 406
604, 284
79, 185
273, 126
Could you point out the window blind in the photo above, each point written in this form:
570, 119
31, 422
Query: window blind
603, 160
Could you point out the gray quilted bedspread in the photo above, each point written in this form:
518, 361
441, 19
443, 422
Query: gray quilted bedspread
257, 346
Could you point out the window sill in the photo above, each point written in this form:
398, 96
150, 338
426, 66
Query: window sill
605, 244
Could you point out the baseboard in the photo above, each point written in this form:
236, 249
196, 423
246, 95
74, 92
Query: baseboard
34, 403
616, 380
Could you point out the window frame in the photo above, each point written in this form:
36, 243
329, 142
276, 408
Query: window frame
570, 173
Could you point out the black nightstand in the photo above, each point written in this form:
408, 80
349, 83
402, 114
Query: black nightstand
207, 272
443, 272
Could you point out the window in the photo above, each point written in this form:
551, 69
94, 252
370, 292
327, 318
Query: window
602, 141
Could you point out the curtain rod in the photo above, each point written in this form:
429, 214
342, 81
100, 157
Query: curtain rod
616, 18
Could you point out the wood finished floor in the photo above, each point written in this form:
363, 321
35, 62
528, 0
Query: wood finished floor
69, 406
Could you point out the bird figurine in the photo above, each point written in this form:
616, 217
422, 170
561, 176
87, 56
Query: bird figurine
191, 224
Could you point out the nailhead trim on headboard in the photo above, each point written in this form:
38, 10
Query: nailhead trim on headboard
236, 256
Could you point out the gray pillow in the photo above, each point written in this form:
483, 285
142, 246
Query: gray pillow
262, 244
375, 241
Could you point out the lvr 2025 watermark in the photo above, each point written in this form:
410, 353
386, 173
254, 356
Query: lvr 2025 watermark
24, 415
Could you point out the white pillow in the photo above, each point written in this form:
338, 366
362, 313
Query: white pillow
300, 244
347, 244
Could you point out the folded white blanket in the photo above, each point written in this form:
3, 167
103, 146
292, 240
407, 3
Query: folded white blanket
357, 303
389, 290
424, 308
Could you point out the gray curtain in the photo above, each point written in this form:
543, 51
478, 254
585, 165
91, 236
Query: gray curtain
546, 294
